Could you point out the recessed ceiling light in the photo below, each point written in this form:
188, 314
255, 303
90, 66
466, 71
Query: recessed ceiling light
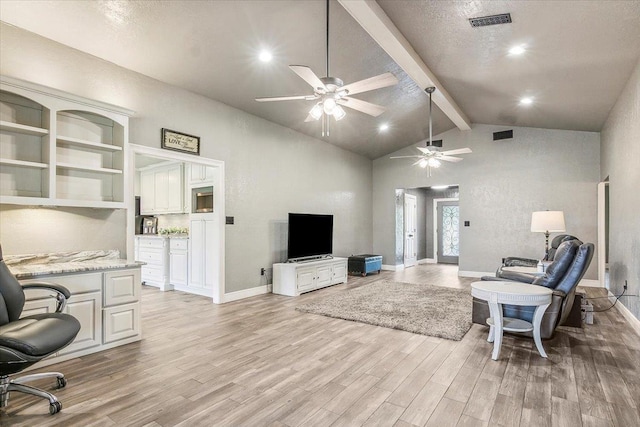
517, 50
526, 101
384, 127
265, 56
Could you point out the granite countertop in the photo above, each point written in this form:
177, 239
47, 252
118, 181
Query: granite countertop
36, 265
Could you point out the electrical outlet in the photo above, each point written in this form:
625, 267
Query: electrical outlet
262, 271
625, 285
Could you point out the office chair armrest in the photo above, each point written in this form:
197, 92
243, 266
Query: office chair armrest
62, 293
559, 293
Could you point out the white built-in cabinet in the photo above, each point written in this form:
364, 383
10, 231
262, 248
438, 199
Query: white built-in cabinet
293, 279
200, 175
106, 303
57, 149
203, 262
178, 261
154, 252
162, 190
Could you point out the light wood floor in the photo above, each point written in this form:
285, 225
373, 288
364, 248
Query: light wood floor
260, 362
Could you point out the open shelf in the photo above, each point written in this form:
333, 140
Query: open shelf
22, 129
85, 143
14, 162
88, 168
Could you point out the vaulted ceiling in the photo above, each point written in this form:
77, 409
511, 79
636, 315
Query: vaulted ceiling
578, 57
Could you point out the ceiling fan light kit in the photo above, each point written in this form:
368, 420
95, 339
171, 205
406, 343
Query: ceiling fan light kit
331, 94
430, 157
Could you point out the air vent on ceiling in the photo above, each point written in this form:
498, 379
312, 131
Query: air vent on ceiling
483, 21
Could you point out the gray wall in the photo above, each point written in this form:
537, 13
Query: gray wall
620, 157
270, 170
500, 184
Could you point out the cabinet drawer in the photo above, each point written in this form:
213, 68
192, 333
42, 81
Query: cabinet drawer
151, 257
76, 283
121, 287
151, 243
152, 273
120, 322
179, 244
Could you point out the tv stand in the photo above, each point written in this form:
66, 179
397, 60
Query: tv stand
315, 258
295, 278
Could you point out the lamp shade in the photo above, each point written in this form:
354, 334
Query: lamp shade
547, 221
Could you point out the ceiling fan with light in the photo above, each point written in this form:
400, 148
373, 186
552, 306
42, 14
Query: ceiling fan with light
430, 156
331, 94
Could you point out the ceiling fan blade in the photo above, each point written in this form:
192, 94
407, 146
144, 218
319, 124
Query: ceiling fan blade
405, 157
377, 82
310, 118
418, 161
362, 106
425, 150
308, 76
457, 151
450, 158
287, 98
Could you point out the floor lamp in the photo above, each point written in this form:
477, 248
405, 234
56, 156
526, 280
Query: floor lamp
547, 222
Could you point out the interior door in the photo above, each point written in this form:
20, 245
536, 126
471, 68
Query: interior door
448, 232
410, 230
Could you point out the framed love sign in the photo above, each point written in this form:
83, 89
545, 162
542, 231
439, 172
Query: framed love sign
177, 141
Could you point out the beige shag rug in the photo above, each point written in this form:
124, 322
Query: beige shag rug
422, 309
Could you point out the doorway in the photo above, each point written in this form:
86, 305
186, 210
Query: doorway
214, 240
447, 226
603, 233
410, 230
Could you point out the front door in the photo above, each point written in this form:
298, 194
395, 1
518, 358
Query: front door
448, 232
410, 229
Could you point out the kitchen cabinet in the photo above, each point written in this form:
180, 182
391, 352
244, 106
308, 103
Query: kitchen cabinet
203, 260
292, 279
58, 149
200, 175
162, 190
178, 262
154, 252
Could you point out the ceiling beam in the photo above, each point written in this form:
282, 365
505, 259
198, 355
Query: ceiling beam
372, 18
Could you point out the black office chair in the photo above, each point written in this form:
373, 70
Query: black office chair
26, 341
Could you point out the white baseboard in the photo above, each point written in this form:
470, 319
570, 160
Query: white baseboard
427, 261
246, 293
634, 322
388, 267
475, 273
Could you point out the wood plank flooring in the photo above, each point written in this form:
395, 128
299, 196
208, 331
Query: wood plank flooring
259, 362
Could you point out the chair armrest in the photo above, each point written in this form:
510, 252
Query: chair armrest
516, 276
62, 293
513, 261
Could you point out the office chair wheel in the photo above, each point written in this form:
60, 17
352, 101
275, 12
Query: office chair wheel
55, 407
62, 382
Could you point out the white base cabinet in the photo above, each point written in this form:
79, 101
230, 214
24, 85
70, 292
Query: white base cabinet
154, 252
293, 279
107, 305
202, 259
178, 261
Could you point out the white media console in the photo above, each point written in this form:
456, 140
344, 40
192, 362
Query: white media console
293, 279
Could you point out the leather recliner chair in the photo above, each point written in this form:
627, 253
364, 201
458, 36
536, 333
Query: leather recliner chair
25, 341
571, 261
530, 262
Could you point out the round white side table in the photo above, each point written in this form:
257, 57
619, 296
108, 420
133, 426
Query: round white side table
497, 293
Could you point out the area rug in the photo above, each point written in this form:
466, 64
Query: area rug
419, 308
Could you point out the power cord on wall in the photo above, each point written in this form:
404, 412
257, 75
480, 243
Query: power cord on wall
614, 303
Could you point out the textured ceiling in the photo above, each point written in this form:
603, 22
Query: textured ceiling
580, 55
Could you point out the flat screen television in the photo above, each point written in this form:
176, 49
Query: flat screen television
310, 235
